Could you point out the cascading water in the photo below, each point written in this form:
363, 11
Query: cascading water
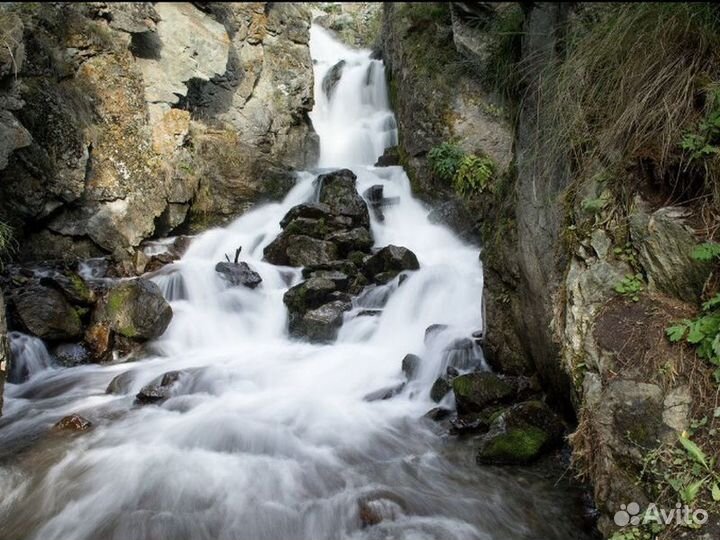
266, 437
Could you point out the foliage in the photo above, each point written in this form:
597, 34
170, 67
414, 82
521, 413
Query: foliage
628, 89
468, 173
473, 175
702, 142
501, 69
703, 332
445, 160
630, 286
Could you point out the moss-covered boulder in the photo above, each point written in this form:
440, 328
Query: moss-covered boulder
357, 239
72, 286
309, 294
520, 434
475, 391
135, 309
46, 313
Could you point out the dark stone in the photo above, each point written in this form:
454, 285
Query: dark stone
72, 286
411, 365
238, 274
520, 435
135, 309
159, 390
46, 313
313, 210
476, 391
474, 422
71, 354
391, 259
305, 251
439, 389
74, 422
332, 78
315, 228
320, 325
433, 330
389, 158
337, 189
341, 281
358, 239
120, 383
437, 414
342, 266
370, 313
309, 294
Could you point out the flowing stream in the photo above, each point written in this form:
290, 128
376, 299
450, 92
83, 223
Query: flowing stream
266, 437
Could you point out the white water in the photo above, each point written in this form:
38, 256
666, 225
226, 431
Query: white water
267, 437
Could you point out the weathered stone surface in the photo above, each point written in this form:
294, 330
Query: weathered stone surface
358, 239
45, 313
135, 309
71, 354
475, 391
314, 211
74, 422
665, 244
520, 434
305, 251
238, 274
98, 339
309, 294
73, 286
337, 190
391, 260
321, 324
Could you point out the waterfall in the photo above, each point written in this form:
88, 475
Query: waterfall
267, 437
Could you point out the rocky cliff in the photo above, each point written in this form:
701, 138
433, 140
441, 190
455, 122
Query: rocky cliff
587, 235
125, 121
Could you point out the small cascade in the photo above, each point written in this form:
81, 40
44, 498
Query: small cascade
29, 356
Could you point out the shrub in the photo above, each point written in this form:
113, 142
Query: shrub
473, 175
445, 160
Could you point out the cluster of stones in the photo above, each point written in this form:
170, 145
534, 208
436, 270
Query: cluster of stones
83, 320
505, 413
331, 239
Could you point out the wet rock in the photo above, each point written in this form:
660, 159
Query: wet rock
309, 294
237, 274
74, 422
321, 324
391, 260
315, 210
520, 434
315, 228
389, 158
437, 414
304, 251
343, 266
379, 507
476, 391
433, 330
71, 354
341, 281
46, 313
72, 286
439, 389
135, 309
120, 383
370, 313
98, 339
4, 348
385, 393
358, 239
474, 422
411, 365
159, 390
337, 189
332, 77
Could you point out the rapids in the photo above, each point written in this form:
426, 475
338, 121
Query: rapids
268, 437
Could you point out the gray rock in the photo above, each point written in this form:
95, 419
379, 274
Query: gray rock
314, 211
159, 390
358, 239
45, 313
385, 393
305, 251
439, 389
391, 260
337, 189
332, 77
12, 136
135, 309
72, 354
411, 365
4, 349
476, 391
120, 383
321, 324
309, 294
237, 274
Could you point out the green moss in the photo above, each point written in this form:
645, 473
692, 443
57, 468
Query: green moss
518, 445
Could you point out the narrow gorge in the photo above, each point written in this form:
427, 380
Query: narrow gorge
359, 270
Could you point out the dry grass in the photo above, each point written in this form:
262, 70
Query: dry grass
633, 81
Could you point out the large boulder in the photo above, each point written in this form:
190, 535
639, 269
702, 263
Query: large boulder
337, 190
314, 210
476, 391
321, 324
72, 286
357, 239
332, 77
520, 434
46, 313
309, 294
135, 309
237, 274
390, 260
304, 251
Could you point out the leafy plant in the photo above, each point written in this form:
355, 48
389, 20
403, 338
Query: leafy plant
703, 141
445, 160
473, 175
630, 286
702, 332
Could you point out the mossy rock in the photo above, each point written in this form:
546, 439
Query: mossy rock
475, 391
309, 294
520, 434
135, 309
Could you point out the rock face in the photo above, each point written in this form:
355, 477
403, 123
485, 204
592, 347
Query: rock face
105, 135
135, 309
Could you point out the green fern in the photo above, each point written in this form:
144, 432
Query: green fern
473, 175
445, 160
707, 251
